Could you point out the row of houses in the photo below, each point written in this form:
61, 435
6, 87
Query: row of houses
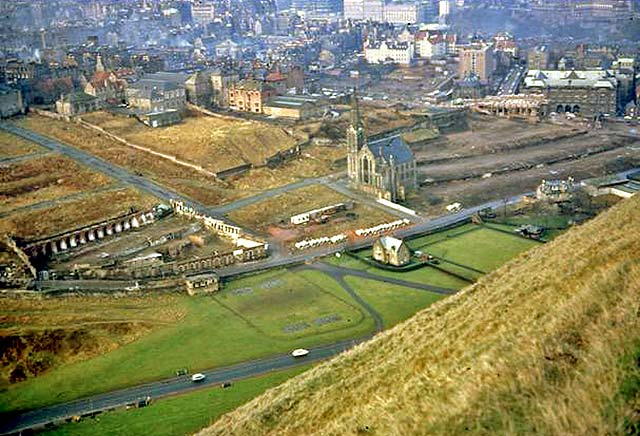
168, 93
430, 42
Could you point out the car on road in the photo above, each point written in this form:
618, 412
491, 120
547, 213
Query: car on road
198, 377
299, 352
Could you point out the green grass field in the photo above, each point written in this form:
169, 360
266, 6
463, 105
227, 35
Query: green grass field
483, 249
305, 304
393, 303
267, 314
480, 248
210, 335
180, 415
425, 275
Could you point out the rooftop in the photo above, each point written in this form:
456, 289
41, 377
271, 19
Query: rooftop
386, 148
573, 79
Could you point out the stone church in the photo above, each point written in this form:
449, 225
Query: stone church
385, 167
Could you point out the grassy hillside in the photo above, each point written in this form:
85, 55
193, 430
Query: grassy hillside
547, 344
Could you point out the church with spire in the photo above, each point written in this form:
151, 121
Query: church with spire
385, 167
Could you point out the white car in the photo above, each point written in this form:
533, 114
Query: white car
300, 352
198, 377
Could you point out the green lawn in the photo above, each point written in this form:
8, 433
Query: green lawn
481, 248
424, 241
484, 249
286, 306
394, 303
425, 275
180, 415
210, 335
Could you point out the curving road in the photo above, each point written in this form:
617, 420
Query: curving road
14, 423
10, 424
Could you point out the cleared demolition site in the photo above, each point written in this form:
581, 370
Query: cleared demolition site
134, 241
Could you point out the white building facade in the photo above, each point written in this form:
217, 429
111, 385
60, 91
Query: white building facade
390, 51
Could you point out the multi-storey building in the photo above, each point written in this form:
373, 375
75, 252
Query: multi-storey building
317, 7
539, 58
430, 44
477, 59
404, 13
11, 102
587, 92
364, 10
389, 51
202, 13
249, 95
221, 81
157, 93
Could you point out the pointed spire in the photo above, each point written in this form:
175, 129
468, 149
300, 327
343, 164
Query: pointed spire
355, 110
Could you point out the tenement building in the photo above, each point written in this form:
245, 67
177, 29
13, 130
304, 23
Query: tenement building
249, 95
587, 92
385, 168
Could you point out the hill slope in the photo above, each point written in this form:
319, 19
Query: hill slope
535, 347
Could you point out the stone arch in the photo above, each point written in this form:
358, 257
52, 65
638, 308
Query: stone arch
576, 109
567, 108
560, 109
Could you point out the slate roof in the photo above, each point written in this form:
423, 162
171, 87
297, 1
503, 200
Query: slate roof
149, 88
389, 243
573, 79
395, 146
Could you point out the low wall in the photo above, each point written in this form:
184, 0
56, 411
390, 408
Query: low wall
49, 114
236, 171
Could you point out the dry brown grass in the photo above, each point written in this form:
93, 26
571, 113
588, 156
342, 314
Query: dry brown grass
317, 161
281, 207
193, 184
40, 333
13, 146
33, 224
44, 179
271, 212
216, 144
532, 348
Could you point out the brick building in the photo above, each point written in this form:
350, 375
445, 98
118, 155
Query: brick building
478, 60
587, 92
249, 95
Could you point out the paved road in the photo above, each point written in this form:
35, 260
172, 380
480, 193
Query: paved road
420, 228
511, 81
58, 413
340, 271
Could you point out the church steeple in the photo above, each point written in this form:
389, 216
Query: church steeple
356, 121
356, 140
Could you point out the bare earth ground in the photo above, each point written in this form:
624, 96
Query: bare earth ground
272, 215
13, 146
489, 135
375, 119
216, 144
517, 160
195, 185
37, 334
44, 179
33, 224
